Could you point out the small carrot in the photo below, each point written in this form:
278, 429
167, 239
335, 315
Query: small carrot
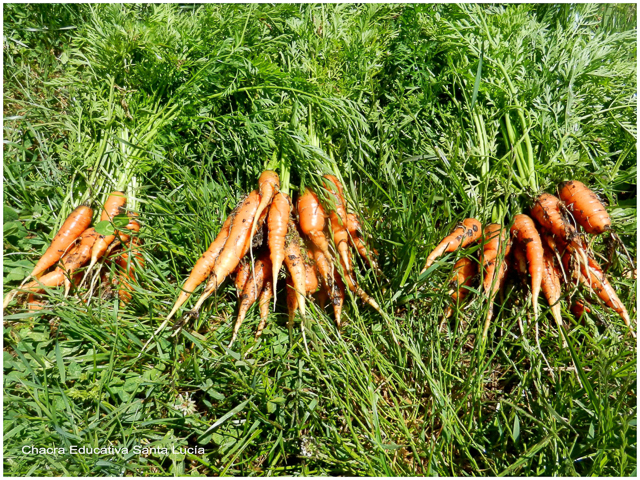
277, 224
520, 261
338, 300
76, 223
593, 277
236, 246
551, 287
265, 298
311, 279
496, 247
338, 221
203, 266
322, 295
463, 235
52, 279
578, 308
243, 272
295, 264
312, 221
525, 231
268, 186
252, 289
464, 271
292, 302
125, 262
34, 302
355, 235
103, 242
586, 207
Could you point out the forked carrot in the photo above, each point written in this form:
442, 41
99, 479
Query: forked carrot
525, 231
464, 234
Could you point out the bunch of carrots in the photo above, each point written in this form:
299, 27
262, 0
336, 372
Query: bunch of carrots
543, 249
77, 244
266, 230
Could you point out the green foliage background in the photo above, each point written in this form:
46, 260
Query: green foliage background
431, 113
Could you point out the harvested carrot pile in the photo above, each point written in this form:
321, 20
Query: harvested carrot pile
543, 249
77, 245
312, 238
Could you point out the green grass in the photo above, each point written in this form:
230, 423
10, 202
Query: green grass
185, 105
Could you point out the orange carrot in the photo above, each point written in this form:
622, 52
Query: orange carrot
203, 266
79, 255
76, 223
338, 219
579, 308
464, 234
235, 247
265, 298
268, 186
255, 284
277, 224
292, 301
35, 303
464, 271
355, 234
525, 231
586, 207
322, 295
128, 269
551, 287
329, 284
103, 242
338, 300
496, 244
312, 221
295, 264
520, 261
51, 279
243, 272
547, 210
311, 279
593, 277
115, 202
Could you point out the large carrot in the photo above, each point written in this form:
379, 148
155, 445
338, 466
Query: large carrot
355, 234
593, 277
277, 224
295, 264
496, 248
525, 231
547, 210
203, 266
551, 287
312, 220
76, 223
464, 271
236, 246
252, 289
265, 298
586, 207
464, 234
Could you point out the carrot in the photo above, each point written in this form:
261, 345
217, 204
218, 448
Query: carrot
295, 264
115, 202
593, 277
265, 298
355, 235
235, 247
354, 287
551, 287
203, 266
311, 279
54, 278
338, 220
496, 244
277, 224
464, 234
547, 210
128, 267
464, 272
252, 289
103, 242
35, 303
579, 308
322, 295
338, 300
243, 272
76, 223
312, 220
268, 186
292, 301
520, 260
79, 255
586, 207
525, 231
329, 283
